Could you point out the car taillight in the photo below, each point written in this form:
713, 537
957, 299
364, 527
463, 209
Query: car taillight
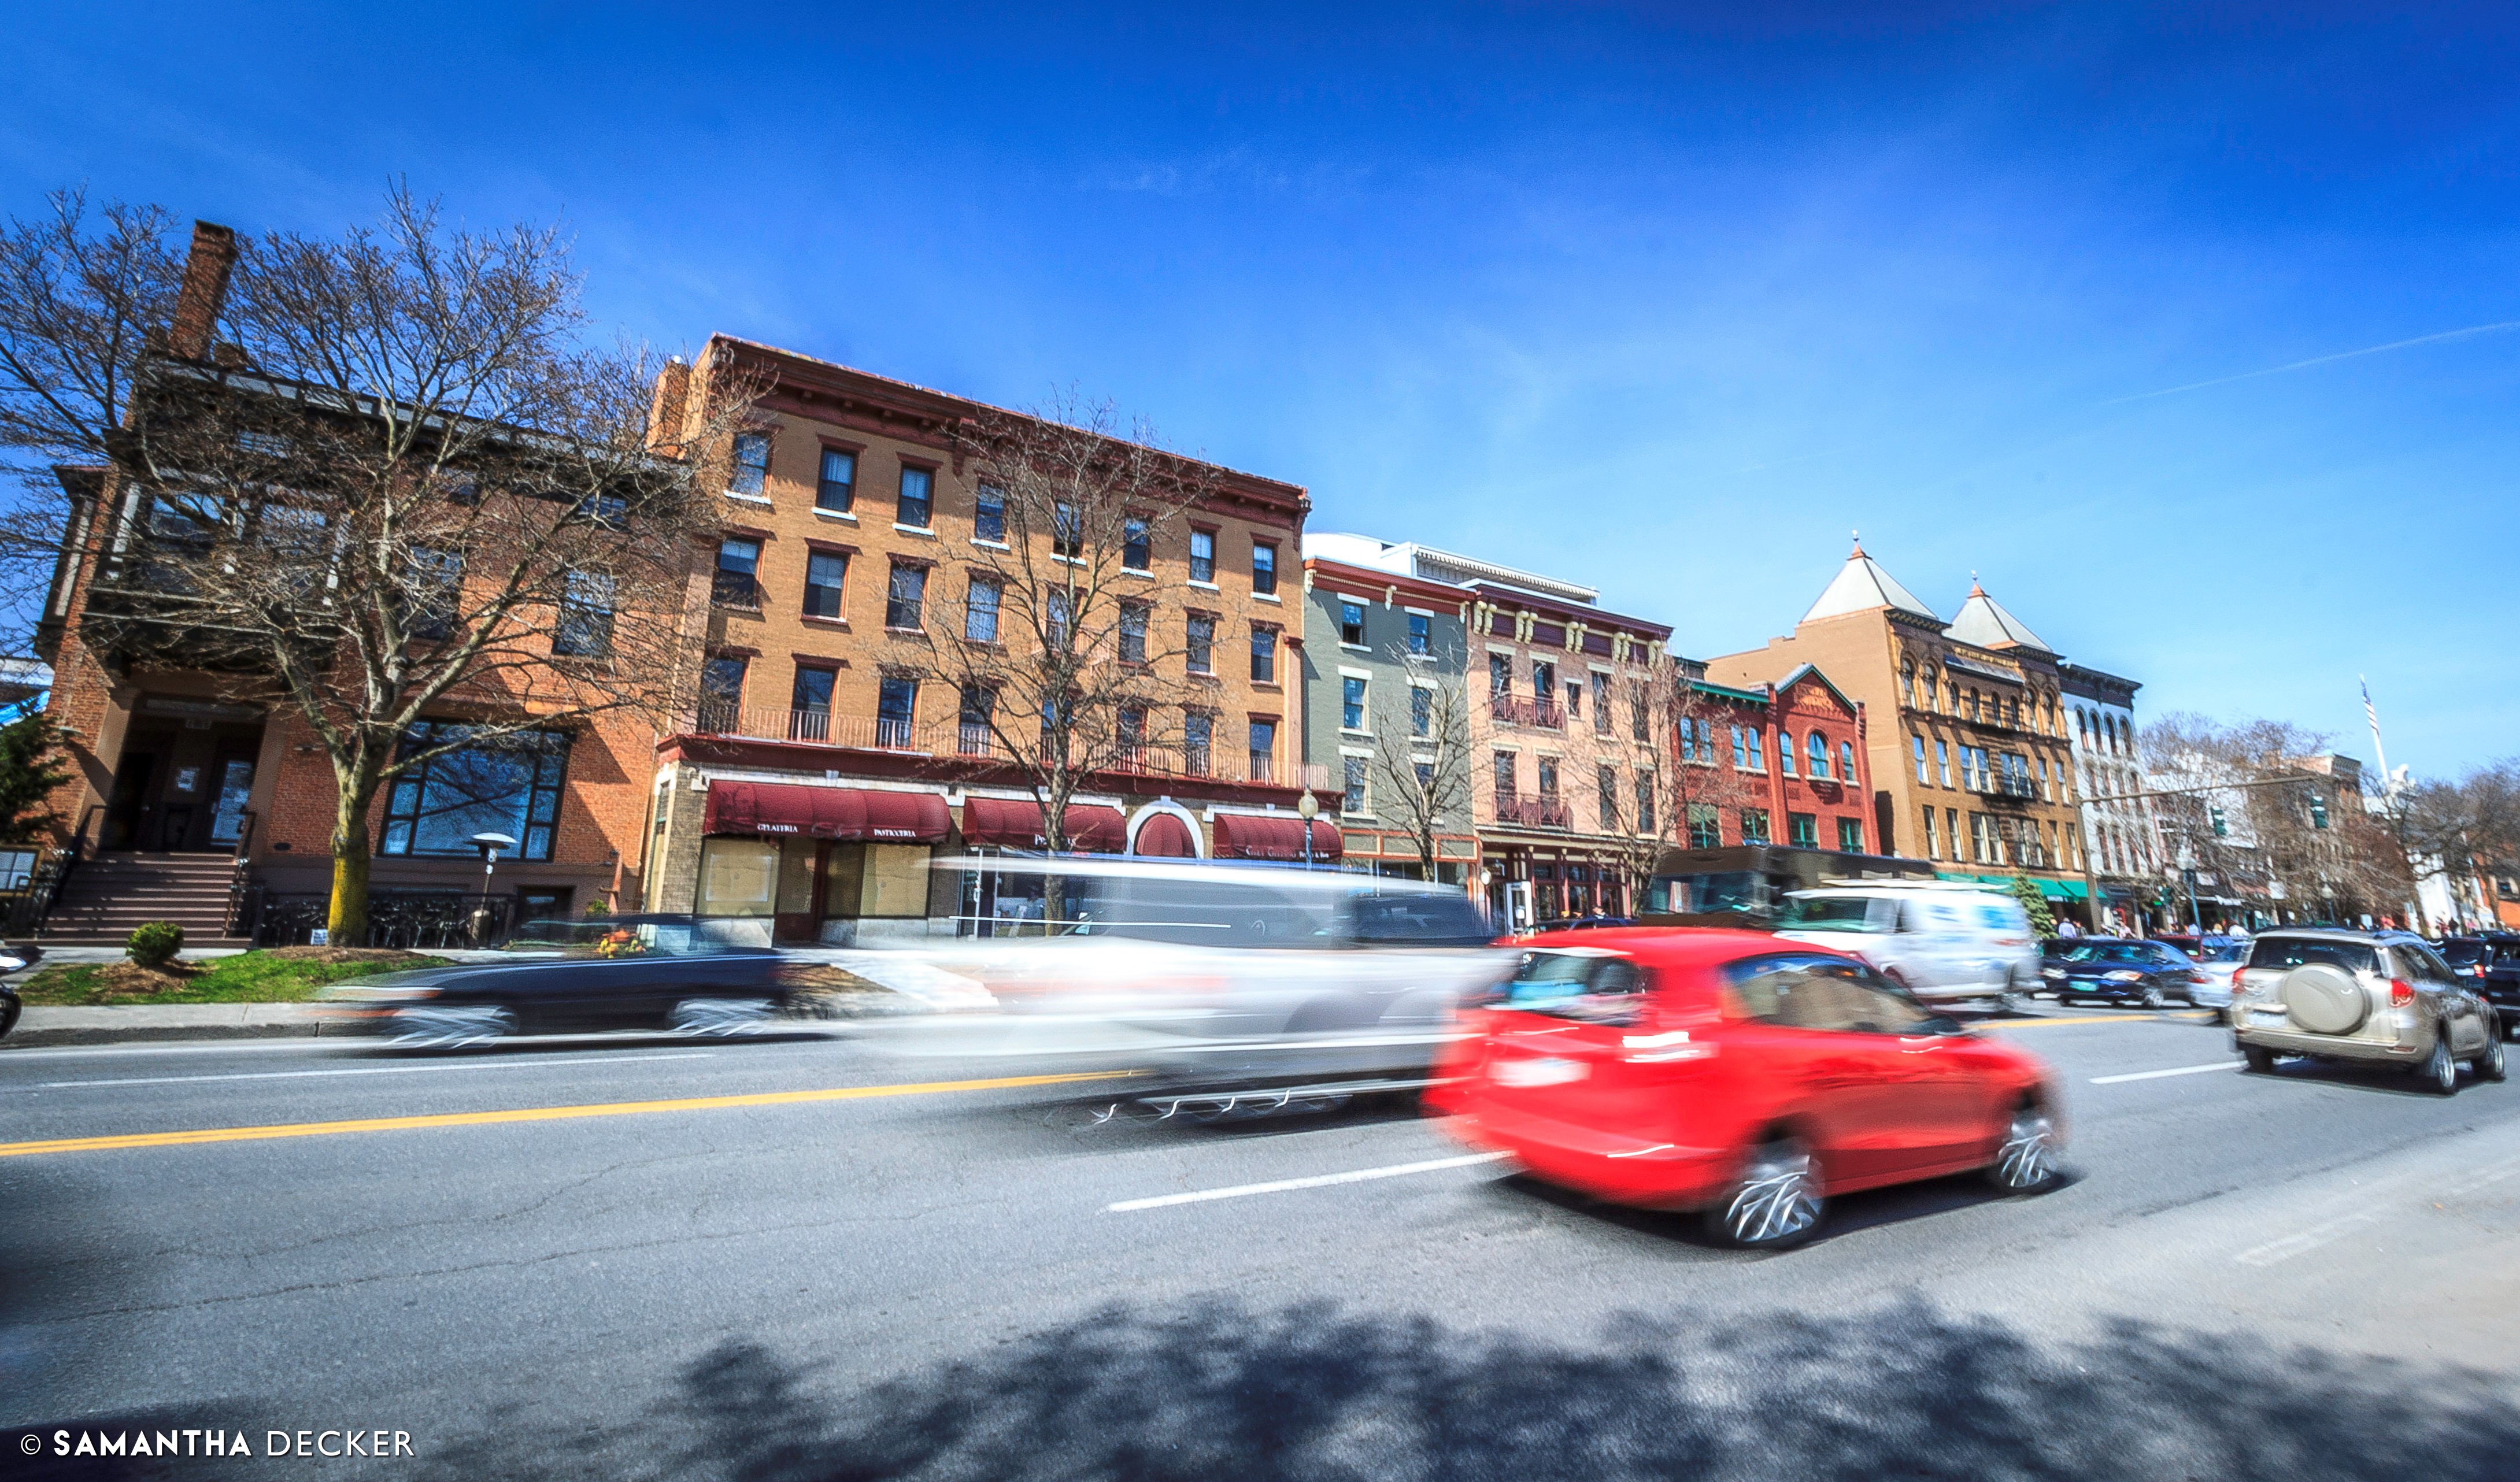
2400, 993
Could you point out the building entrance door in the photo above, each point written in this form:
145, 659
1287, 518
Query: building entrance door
182, 787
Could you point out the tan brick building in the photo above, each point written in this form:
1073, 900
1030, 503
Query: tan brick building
817, 774
1969, 745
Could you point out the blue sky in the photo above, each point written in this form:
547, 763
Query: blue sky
1659, 299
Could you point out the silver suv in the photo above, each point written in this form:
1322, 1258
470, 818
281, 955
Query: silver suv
2373, 998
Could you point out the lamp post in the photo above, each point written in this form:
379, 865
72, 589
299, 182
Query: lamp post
489, 844
1307, 809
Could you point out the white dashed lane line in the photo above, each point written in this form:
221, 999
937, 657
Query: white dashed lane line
1318, 1180
2154, 1075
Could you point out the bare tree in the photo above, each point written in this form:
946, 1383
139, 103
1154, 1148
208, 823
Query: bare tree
1055, 653
2252, 801
2460, 829
399, 495
1424, 753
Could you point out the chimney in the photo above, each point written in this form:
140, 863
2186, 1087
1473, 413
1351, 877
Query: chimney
665, 412
204, 292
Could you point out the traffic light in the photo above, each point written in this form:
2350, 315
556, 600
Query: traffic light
2221, 825
2318, 811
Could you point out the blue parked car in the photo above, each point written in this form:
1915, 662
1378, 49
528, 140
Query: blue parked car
2111, 971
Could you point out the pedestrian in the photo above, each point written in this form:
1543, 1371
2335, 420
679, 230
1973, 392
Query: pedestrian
2067, 929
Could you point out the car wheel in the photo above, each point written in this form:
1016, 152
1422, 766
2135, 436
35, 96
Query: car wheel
2489, 1065
10, 1009
1777, 1203
2153, 999
2262, 1060
2025, 1162
451, 1027
719, 1017
2439, 1073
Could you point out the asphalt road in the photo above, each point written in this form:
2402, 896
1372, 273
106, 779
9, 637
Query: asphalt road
780, 1276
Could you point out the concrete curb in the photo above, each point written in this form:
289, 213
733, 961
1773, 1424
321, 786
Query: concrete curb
61, 1024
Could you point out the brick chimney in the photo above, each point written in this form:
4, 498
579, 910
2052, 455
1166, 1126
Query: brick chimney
204, 292
666, 410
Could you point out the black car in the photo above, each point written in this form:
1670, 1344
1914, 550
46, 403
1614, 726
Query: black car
2490, 963
2118, 972
693, 976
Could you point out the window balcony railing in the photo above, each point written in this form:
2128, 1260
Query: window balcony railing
1543, 811
1527, 710
824, 728
1263, 768
975, 737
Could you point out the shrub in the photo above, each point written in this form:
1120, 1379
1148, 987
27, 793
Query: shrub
155, 944
2034, 905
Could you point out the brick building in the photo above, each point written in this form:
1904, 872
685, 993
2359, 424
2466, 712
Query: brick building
1796, 760
199, 795
819, 775
1970, 751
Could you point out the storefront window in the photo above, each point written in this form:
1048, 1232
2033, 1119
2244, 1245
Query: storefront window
736, 876
510, 785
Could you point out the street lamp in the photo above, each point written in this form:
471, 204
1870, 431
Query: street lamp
1307, 809
489, 844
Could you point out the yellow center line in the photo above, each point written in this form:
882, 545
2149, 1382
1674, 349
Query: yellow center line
533, 1114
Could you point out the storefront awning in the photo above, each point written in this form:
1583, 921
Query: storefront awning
1248, 835
2054, 890
837, 813
1014, 822
1164, 835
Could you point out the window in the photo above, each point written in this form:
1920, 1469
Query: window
1203, 644
2012, 712
989, 513
981, 607
1575, 699
507, 785
1644, 803
905, 595
1952, 830
1705, 827
1818, 755
1850, 836
1263, 568
1758, 762
1754, 826
1740, 752
436, 592
1198, 732
1605, 785
1918, 743
1908, 684
1846, 762
1263, 751
1421, 710
585, 625
1802, 830
1133, 632
826, 573
603, 509
1826, 993
1422, 634
1543, 681
751, 463
1424, 772
1549, 776
721, 691
1353, 799
1981, 840
896, 704
976, 737
1639, 710
1352, 624
1137, 553
837, 489
1264, 656
1785, 751
1202, 556
1503, 768
916, 507
1931, 852
1351, 704
1067, 531
809, 704
1943, 761
1500, 676
1131, 734
737, 583
1058, 618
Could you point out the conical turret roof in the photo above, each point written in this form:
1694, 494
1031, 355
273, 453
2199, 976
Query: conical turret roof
1984, 622
1861, 586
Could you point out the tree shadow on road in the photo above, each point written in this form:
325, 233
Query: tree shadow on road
1311, 1392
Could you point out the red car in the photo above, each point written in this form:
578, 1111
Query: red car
1731, 1072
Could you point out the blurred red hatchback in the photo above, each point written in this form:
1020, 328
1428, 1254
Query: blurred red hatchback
1731, 1072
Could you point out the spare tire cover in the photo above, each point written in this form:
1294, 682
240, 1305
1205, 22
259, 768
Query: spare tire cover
2324, 998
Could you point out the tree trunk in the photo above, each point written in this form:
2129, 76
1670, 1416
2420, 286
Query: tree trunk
346, 923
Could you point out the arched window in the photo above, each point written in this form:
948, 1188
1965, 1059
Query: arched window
1785, 751
1819, 754
1846, 762
1907, 685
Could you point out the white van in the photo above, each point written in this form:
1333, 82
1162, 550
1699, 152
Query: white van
1941, 941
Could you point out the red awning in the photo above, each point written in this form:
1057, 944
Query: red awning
841, 812
1246, 835
1016, 823
1165, 836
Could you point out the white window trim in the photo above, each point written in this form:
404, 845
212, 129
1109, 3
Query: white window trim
993, 545
1420, 611
927, 530
1367, 675
763, 500
1204, 586
824, 514
1271, 598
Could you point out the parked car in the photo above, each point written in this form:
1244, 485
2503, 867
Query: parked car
675, 973
2217, 963
1731, 1072
2490, 963
14, 959
2195, 944
1944, 943
2371, 998
2115, 970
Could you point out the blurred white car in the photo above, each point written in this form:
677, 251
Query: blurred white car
2219, 960
1941, 941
